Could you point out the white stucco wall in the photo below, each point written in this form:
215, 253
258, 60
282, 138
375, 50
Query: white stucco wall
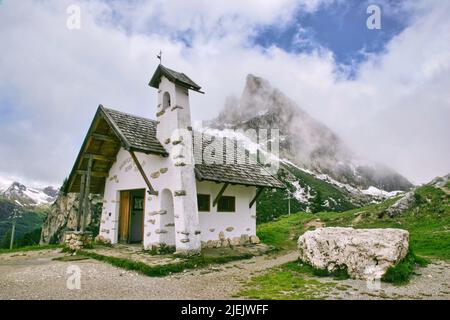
186, 227
243, 221
125, 176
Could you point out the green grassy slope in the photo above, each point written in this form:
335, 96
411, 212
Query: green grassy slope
27, 227
273, 204
428, 223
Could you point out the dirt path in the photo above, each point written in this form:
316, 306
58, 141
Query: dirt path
34, 275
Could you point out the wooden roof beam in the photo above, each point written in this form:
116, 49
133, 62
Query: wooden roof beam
220, 194
99, 157
103, 137
258, 193
97, 174
144, 176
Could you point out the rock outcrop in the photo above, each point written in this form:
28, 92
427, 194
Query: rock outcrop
366, 253
63, 217
404, 203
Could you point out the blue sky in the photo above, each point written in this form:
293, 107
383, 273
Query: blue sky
340, 27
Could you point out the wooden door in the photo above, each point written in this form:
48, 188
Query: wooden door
124, 216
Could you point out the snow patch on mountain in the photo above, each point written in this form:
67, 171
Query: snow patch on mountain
373, 191
28, 196
302, 194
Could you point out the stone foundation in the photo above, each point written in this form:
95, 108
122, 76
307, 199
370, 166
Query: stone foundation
223, 242
76, 240
102, 240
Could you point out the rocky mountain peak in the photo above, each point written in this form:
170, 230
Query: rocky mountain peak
50, 191
29, 196
304, 140
15, 188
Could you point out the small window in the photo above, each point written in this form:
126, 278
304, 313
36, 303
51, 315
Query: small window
203, 202
226, 204
166, 100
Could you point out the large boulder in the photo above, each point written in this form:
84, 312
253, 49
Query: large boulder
366, 253
404, 203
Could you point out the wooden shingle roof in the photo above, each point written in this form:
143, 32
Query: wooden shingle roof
138, 133
246, 174
110, 130
174, 76
220, 168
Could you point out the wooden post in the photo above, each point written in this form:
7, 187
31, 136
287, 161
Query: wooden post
11, 242
220, 194
86, 194
289, 203
80, 201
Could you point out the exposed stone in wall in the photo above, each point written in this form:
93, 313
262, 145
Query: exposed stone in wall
167, 141
155, 174
176, 107
163, 170
154, 213
160, 113
159, 231
180, 164
212, 230
114, 178
178, 141
229, 229
179, 193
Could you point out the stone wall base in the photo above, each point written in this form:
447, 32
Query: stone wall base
222, 242
76, 240
231, 242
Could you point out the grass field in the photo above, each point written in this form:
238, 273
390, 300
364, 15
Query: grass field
428, 223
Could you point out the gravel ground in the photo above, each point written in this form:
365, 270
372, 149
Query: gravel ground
429, 283
34, 275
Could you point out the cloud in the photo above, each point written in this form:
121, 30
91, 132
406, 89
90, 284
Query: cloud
54, 78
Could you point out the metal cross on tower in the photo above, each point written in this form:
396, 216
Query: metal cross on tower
159, 56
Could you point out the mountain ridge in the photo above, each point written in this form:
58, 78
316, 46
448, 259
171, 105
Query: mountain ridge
304, 141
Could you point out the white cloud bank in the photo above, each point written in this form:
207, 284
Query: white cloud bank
397, 110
